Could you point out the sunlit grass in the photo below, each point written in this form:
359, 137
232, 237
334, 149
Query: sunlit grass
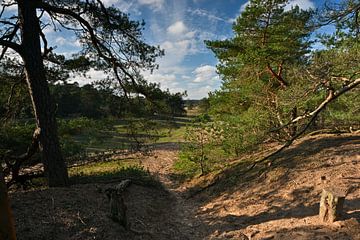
100, 168
112, 171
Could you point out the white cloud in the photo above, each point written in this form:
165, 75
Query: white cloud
163, 79
201, 92
61, 41
91, 76
204, 13
154, 4
303, 4
178, 42
177, 28
243, 7
72, 42
124, 6
110, 2
205, 73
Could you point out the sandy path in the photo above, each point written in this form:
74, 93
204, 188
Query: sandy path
160, 164
280, 204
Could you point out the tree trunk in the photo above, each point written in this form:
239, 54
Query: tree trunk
293, 129
7, 228
43, 105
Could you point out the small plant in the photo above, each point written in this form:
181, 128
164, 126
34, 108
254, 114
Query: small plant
202, 139
142, 133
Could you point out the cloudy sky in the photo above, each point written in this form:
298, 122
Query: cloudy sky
180, 28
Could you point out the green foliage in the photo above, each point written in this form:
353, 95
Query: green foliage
77, 134
15, 137
202, 145
141, 133
265, 36
256, 66
243, 132
70, 147
270, 76
185, 166
102, 99
105, 171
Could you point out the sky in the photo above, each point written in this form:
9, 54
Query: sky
180, 28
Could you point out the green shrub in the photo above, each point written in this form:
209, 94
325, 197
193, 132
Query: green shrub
203, 140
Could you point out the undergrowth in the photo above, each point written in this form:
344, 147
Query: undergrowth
112, 171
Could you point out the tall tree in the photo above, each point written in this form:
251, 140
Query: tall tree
255, 65
110, 40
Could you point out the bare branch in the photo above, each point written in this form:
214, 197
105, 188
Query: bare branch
278, 76
98, 45
9, 37
331, 97
14, 168
8, 44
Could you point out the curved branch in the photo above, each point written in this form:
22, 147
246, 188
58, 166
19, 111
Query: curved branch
82, 21
331, 97
100, 47
14, 168
278, 76
10, 37
8, 44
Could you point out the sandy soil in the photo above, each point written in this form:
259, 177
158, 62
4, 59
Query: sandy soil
280, 203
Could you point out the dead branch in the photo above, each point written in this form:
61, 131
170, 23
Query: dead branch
13, 163
331, 97
312, 115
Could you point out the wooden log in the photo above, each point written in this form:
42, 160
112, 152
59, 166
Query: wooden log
117, 204
331, 204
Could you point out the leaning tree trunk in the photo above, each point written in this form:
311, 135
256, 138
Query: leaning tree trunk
7, 228
43, 105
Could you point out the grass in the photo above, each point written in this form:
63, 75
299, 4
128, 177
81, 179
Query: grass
96, 136
111, 171
118, 136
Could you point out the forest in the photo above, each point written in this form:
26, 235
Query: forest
273, 153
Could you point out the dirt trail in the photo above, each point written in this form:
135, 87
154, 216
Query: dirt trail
280, 203
160, 164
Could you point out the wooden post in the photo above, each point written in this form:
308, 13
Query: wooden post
331, 204
117, 205
7, 227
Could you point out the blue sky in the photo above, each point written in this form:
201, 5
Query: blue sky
180, 27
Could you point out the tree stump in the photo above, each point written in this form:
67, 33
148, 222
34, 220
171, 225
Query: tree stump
331, 204
117, 205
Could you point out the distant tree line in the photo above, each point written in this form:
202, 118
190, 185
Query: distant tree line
93, 101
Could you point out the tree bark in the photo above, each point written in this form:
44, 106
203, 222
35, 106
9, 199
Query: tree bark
117, 205
331, 205
43, 105
7, 227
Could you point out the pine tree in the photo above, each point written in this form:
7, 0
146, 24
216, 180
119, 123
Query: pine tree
110, 41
